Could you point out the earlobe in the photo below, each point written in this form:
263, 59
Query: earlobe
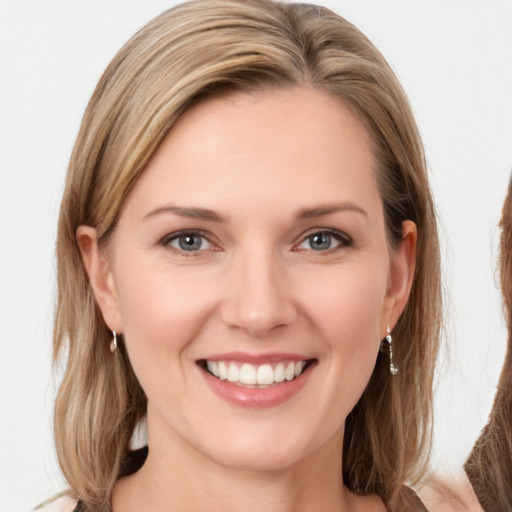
100, 276
402, 272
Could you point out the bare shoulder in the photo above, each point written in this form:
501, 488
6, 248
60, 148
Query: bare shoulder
367, 502
454, 494
60, 503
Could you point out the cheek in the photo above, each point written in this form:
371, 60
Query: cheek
347, 305
160, 307
346, 309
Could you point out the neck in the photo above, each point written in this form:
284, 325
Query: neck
177, 477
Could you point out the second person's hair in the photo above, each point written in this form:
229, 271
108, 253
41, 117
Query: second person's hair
489, 466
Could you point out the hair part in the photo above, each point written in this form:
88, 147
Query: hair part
194, 51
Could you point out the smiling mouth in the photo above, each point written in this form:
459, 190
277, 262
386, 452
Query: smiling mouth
253, 375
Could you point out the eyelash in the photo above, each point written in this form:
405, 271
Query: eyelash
168, 239
343, 239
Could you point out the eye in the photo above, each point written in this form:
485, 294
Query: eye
324, 240
189, 241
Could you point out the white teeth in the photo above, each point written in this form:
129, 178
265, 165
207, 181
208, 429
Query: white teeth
247, 374
265, 374
233, 373
279, 373
251, 375
289, 373
299, 366
223, 371
213, 367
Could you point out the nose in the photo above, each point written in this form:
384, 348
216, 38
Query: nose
260, 296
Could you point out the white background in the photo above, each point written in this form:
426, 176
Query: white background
454, 58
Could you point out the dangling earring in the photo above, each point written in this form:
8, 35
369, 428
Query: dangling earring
113, 343
392, 368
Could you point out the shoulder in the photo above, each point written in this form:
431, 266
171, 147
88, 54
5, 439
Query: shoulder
410, 501
60, 503
453, 494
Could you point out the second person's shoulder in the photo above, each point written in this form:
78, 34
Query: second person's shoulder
59, 503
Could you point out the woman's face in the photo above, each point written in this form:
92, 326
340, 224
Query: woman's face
251, 277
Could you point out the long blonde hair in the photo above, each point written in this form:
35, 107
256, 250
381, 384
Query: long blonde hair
489, 465
191, 52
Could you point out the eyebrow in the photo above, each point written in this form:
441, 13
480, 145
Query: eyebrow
320, 211
191, 213
210, 215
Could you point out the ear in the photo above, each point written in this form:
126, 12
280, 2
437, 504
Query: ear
100, 276
403, 264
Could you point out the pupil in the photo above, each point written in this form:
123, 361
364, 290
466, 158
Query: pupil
190, 242
320, 241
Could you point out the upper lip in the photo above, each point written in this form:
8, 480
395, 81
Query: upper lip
256, 359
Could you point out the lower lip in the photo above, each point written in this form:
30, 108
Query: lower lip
257, 397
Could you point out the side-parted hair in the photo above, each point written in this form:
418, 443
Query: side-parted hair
489, 465
192, 52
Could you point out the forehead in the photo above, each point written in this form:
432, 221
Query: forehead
272, 147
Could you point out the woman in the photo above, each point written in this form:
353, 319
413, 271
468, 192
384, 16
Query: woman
246, 222
489, 466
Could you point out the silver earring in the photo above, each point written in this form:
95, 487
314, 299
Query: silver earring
113, 343
392, 368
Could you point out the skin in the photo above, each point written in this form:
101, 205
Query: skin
452, 494
257, 286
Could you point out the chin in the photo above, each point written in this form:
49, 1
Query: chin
262, 453
258, 460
